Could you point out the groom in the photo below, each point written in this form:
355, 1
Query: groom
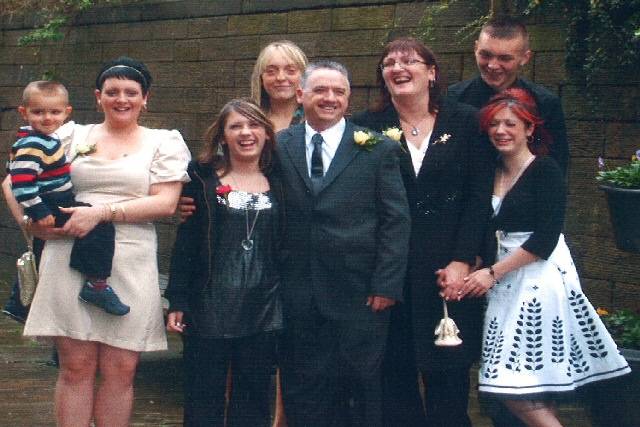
344, 254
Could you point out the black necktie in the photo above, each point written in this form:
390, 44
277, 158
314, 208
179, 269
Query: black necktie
316, 157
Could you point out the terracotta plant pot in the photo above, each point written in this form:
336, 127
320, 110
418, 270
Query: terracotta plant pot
624, 213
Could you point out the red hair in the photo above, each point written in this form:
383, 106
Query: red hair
523, 105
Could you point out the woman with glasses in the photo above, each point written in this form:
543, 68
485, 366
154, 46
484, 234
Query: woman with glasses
447, 172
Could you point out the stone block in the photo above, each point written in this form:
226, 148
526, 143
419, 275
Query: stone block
306, 21
109, 14
257, 24
625, 295
190, 9
622, 139
618, 103
74, 74
81, 98
361, 69
12, 38
548, 68
310, 43
197, 100
600, 259
12, 241
409, 14
450, 67
352, 43
186, 50
545, 37
113, 50
254, 6
10, 97
215, 26
359, 100
18, 55
242, 73
167, 100
599, 292
217, 73
147, 50
586, 139
239, 47
361, 18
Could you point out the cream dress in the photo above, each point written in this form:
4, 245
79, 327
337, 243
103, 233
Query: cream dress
56, 309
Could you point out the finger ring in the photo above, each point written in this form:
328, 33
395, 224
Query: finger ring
178, 324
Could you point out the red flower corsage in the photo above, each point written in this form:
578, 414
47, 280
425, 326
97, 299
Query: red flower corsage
222, 191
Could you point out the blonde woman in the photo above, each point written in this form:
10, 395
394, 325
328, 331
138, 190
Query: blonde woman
274, 80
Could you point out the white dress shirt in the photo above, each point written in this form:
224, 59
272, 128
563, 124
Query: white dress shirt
417, 154
331, 137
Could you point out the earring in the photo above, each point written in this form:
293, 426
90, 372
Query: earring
98, 106
529, 139
432, 83
144, 107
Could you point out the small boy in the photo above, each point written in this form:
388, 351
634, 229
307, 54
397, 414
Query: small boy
41, 183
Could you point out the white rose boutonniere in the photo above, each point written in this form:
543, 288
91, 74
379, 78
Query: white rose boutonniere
442, 139
83, 150
365, 139
393, 133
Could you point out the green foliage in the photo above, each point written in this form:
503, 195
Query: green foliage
624, 327
54, 15
627, 176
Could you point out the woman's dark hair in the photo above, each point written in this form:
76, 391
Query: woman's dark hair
125, 68
216, 152
408, 45
523, 105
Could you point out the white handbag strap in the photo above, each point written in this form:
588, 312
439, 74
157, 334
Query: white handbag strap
28, 237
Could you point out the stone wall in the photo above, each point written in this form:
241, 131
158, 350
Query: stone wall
201, 53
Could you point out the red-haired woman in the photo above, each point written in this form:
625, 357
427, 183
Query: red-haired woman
542, 337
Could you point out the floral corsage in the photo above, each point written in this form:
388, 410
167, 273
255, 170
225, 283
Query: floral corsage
365, 140
83, 150
442, 139
393, 133
222, 194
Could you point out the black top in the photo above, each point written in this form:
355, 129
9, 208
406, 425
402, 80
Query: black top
477, 93
225, 290
535, 203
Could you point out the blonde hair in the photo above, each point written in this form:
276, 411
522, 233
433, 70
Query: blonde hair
46, 87
290, 50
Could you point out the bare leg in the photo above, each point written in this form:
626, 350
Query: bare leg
279, 419
114, 398
76, 378
534, 413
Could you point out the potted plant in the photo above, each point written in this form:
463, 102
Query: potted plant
622, 187
615, 402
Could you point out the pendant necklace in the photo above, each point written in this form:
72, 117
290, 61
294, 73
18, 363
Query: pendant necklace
415, 130
247, 244
502, 179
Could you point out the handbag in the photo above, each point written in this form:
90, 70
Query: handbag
27, 270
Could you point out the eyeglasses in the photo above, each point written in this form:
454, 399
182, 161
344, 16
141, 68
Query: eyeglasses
403, 63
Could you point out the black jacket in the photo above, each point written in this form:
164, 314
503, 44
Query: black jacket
193, 254
450, 202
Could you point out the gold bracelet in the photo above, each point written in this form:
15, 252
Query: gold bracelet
113, 212
124, 212
105, 213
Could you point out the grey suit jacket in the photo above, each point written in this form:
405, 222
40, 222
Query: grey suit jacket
348, 241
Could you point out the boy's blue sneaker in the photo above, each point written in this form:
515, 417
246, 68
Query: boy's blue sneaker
13, 308
104, 298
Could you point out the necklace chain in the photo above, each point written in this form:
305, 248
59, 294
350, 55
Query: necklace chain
247, 243
506, 189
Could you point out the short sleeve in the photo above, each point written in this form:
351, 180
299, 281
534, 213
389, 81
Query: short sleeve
170, 159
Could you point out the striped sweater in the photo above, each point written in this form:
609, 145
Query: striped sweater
37, 165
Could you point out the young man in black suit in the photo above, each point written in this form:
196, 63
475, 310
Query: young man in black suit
344, 253
502, 49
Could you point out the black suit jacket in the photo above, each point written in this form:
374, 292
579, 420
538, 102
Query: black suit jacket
450, 203
348, 241
477, 93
